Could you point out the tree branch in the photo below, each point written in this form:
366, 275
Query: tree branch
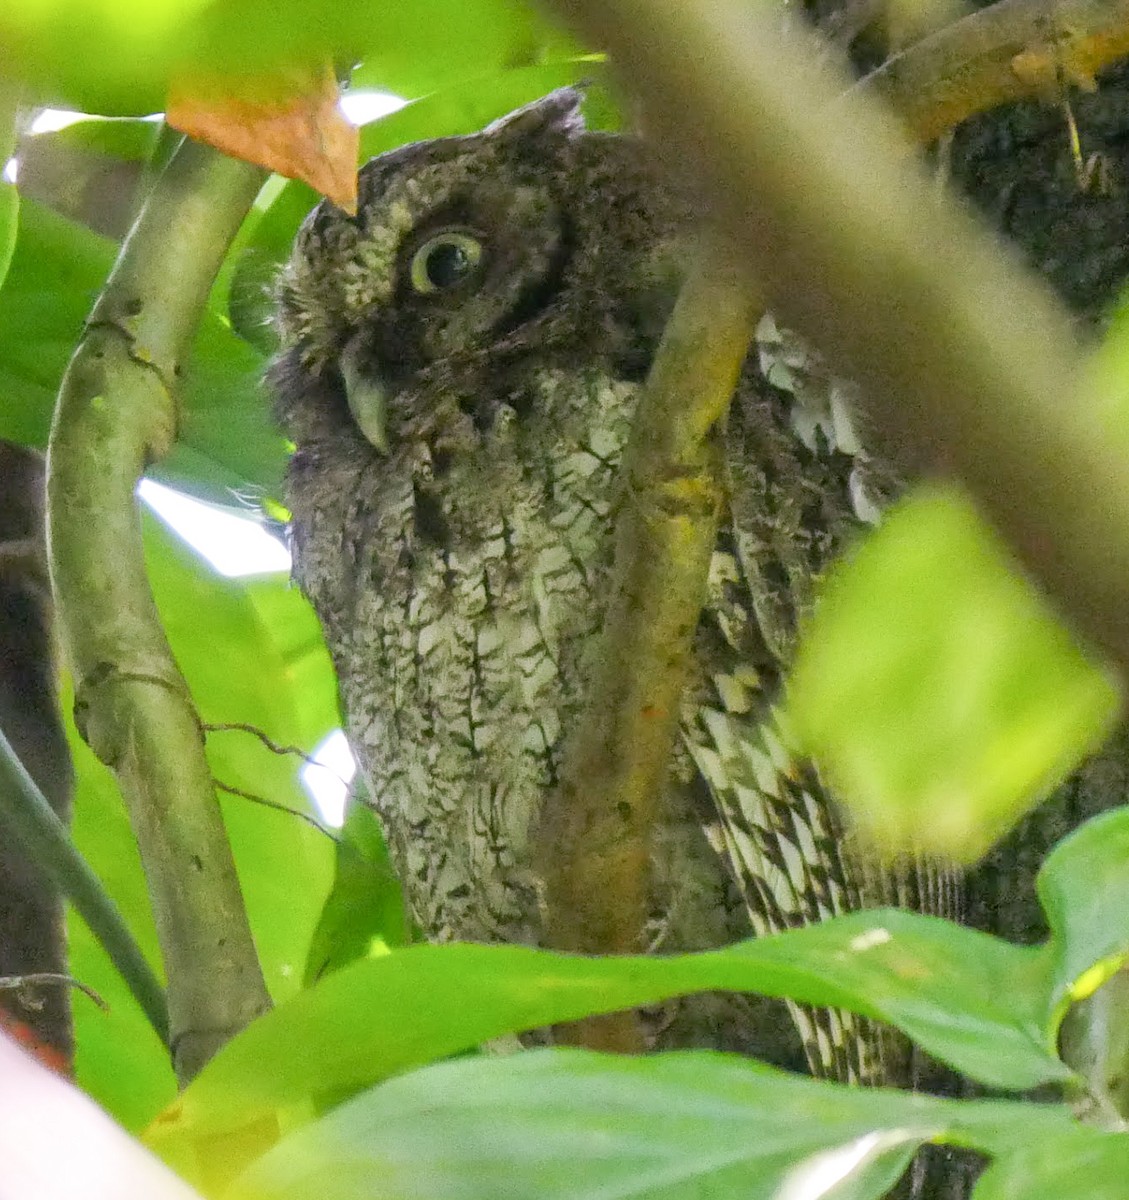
597, 826
966, 363
35, 826
1013, 50
116, 413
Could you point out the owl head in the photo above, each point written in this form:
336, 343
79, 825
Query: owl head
471, 259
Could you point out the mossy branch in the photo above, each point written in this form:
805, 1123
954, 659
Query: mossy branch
597, 826
116, 413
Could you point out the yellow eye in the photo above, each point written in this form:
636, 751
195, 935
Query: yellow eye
444, 261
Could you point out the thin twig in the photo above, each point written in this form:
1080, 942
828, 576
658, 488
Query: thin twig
278, 807
37, 826
272, 746
17, 983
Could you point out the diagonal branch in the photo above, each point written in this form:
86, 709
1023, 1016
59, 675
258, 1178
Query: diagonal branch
116, 413
966, 363
32, 824
597, 826
1013, 50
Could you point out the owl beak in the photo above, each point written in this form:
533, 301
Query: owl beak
368, 404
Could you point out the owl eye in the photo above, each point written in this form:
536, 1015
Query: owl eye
444, 261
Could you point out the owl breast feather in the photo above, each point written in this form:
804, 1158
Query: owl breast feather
477, 587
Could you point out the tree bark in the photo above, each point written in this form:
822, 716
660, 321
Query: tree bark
32, 937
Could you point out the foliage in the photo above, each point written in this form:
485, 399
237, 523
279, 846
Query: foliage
953, 736
361, 1015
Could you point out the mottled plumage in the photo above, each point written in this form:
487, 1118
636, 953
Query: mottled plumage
458, 373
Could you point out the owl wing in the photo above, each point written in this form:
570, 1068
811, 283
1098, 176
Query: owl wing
799, 487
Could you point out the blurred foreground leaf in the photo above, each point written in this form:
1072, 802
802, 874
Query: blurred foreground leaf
129, 48
9, 197
988, 1008
938, 693
1084, 1164
290, 124
571, 1125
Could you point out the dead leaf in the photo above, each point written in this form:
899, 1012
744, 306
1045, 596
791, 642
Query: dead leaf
289, 123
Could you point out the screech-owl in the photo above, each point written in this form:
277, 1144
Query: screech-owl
458, 373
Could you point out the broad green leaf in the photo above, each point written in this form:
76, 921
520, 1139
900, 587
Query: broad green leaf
572, 1125
129, 139
972, 1000
935, 689
119, 1059
56, 273
9, 224
1076, 1165
408, 49
469, 107
9, 197
129, 49
226, 419
365, 905
228, 441
1084, 890
1108, 377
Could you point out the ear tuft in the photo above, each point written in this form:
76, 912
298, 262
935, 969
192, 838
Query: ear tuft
555, 115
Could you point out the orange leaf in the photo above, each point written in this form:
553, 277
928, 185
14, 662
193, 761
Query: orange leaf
290, 124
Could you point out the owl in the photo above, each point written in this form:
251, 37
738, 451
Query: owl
458, 372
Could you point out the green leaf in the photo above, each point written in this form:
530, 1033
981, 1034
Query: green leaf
9, 225
1084, 889
469, 107
9, 197
228, 440
407, 49
128, 139
571, 1125
119, 1060
366, 903
935, 689
972, 1000
56, 272
1081, 1165
129, 48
